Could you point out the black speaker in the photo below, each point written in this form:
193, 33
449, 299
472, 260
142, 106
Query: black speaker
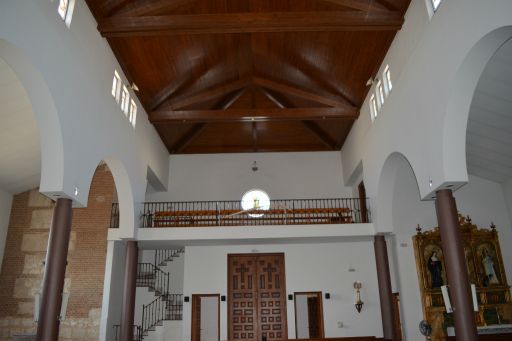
327, 296
223, 298
290, 297
186, 299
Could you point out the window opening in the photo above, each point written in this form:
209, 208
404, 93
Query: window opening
255, 200
125, 100
380, 94
435, 4
133, 112
116, 86
373, 107
65, 10
388, 85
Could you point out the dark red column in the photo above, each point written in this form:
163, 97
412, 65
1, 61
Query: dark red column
385, 292
129, 289
456, 269
54, 272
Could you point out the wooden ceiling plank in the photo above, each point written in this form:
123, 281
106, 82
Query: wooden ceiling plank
250, 22
185, 140
359, 5
145, 7
250, 115
109, 7
321, 135
211, 93
290, 90
389, 4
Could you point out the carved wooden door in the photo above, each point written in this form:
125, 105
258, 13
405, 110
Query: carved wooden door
257, 302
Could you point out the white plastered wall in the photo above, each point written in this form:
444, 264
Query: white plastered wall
228, 176
75, 66
426, 61
5, 214
309, 267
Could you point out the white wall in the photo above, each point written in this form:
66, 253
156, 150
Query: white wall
416, 119
5, 214
507, 191
229, 176
309, 267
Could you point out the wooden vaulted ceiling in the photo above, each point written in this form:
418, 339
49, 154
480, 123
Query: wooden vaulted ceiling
250, 75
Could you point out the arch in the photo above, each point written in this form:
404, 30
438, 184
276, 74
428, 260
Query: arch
383, 211
45, 112
457, 111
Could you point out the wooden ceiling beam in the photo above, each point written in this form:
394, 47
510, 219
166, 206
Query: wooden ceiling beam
211, 93
144, 7
109, 7
321, 135
389, 4
290, 90
250, 22
250, 115
359, 5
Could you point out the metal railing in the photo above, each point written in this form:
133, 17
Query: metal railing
166, 255
163, 308
148, 275
137, 332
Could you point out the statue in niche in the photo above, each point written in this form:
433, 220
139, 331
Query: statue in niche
435, 267
488, 263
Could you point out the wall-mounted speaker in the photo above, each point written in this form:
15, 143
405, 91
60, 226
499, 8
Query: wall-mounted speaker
186, 299
290, 297
223, 298
327, 296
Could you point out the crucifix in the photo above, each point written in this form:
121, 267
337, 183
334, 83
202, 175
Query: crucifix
242, 270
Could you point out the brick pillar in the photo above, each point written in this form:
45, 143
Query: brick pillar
55, 270
456, 269
129, 289
385, 292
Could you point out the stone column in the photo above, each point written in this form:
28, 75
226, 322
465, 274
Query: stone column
385, 292
129, 289
54, 272
456, 269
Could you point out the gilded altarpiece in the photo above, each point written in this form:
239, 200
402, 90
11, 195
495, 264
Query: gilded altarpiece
485, 268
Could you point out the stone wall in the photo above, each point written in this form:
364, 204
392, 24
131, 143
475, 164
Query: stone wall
25, 251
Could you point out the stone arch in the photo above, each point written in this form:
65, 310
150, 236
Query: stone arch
457, 111
45, 112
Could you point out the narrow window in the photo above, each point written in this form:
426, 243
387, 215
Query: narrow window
373, 107
387, 80
133, 112
65, 10
435, 4
116, 86
125, 100
380, 94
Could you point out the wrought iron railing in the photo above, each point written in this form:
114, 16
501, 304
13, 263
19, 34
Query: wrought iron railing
148, 275
230, 213
166, 255
163, 308
137, 332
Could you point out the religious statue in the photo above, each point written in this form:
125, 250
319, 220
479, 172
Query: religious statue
435, 267
488, 264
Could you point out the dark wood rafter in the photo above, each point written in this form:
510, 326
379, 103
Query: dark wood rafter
280, 102
310, 125
321, 135
249, 115
145, 8
250, 22
187, 138
331, 101
206, 95
109, 7
369, 5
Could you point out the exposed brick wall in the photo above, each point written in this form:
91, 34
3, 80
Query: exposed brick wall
22, 268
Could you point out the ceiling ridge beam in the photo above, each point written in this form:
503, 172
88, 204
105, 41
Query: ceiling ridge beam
370, 5
250, 115
331, 101
250, 22
210, 93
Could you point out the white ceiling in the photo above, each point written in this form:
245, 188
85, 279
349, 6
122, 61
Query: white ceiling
20, 157
489, 136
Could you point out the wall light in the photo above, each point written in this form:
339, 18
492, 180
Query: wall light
359, 303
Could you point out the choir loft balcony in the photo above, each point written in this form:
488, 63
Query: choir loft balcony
235, 213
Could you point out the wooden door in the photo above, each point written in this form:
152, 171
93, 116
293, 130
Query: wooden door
257, 302
396, 322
